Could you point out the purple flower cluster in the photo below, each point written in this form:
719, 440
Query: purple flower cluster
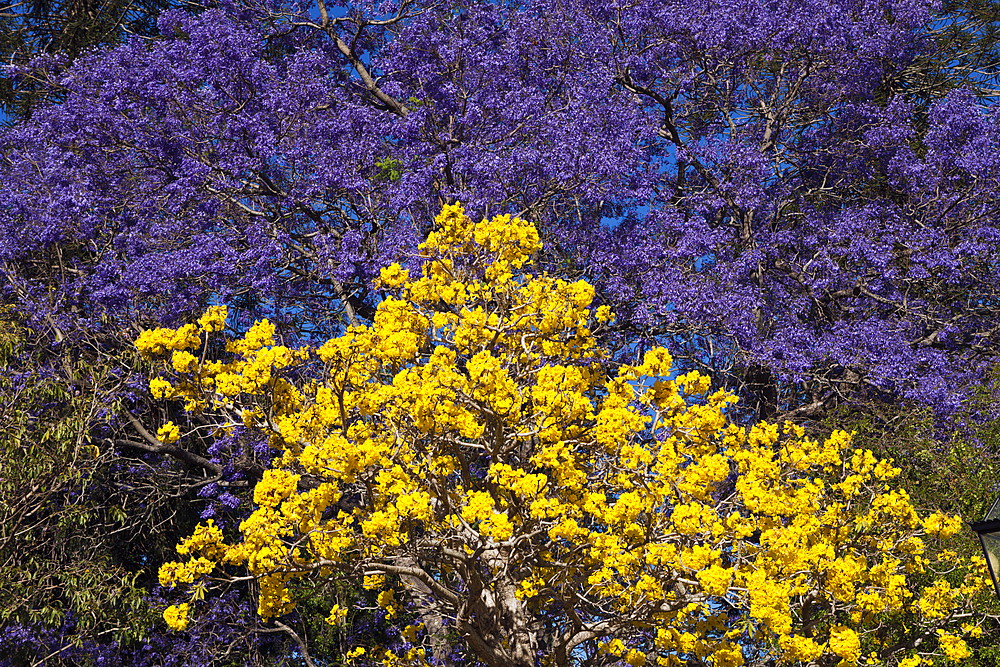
225, 628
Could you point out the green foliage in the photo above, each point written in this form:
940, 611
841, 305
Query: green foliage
364, 624
390, 170
57, 522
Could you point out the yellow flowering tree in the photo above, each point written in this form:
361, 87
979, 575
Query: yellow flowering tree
472, 455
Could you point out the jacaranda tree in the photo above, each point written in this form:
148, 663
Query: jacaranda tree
787, 217
39, 39
470, 455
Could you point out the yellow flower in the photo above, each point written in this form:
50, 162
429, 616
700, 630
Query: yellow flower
386, 598
157, 342
410, 632
176, 616
727, 654
615, 647
160, 388
635, 658
214, 319
954, 647
800, 649
972, 630
275, 486
845, 642
169, 433
938, 600
183, 361
477, 412
337, 615
941, 525
715, 579
394, 276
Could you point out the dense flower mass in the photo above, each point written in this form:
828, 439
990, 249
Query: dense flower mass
475, 453
800, 225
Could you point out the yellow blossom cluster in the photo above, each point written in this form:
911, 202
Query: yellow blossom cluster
176, 616
476, 446
169, 433
157, 342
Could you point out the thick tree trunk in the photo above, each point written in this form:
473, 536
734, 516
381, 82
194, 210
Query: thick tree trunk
516, 620
430, 615
496, 624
